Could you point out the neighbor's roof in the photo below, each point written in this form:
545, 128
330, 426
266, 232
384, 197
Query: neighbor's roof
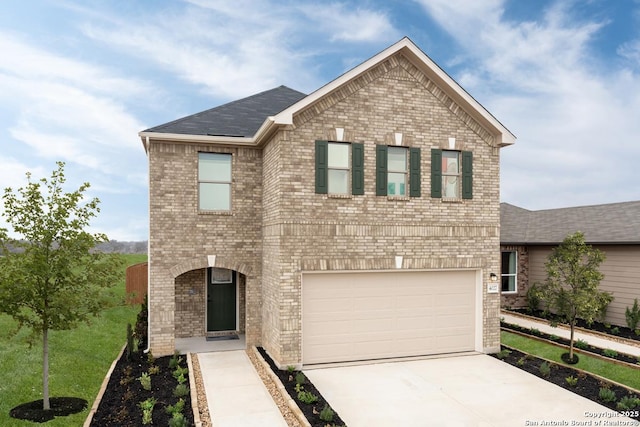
615, 223
241, 118
252, 120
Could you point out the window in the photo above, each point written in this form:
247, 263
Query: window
339, 164
397, 171
451, 174
509, 271
214, 181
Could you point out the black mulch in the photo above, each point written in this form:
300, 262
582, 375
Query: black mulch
587, 385
310, 411
59, 407
589, 348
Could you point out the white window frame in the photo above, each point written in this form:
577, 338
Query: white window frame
448, 175
514, 274
339, 168
227, 183
405, 172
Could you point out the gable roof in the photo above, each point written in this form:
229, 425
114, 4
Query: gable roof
271, 117
241, 118
614, 223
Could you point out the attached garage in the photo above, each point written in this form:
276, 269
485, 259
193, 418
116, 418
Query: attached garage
377, 315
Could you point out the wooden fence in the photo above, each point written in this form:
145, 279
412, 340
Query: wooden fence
137, 277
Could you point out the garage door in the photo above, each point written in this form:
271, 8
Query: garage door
363, 316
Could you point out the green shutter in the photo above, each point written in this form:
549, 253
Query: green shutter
467, 175
322, 167
381, 170
357, 169
414, 172
436, 173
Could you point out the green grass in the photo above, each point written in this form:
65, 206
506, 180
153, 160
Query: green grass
78, 359
618, 373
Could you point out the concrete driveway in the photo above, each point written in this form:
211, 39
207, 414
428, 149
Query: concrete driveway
471, 390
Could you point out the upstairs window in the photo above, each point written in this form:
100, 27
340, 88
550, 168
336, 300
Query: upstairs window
397, 171
339, 168
214, 181
509, 271
451, 174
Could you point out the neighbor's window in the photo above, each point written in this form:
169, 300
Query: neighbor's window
509, 271
339, 168
214, 181
397, 171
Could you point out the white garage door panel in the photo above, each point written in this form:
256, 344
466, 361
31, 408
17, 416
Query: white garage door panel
361, 316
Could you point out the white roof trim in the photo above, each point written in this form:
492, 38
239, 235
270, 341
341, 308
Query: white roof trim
430, 68
209, 139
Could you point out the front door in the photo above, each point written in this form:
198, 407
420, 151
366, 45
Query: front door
221, 301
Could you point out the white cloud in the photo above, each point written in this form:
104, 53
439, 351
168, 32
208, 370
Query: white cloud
573, 115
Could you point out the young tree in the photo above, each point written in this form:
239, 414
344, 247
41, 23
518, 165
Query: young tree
52, 279
571, 289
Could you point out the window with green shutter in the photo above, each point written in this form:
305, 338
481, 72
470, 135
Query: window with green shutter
451, 174
339, 168
397, 171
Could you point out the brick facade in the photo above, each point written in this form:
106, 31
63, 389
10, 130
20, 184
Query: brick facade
518, 299
279, 227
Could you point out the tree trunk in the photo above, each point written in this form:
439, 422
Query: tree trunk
571, 327
45, 370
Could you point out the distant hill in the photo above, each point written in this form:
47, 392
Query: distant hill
115, 246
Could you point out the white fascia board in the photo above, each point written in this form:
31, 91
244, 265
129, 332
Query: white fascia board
206, 139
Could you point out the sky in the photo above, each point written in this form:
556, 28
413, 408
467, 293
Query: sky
80, 79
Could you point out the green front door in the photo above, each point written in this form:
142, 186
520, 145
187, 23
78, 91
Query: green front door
221, 306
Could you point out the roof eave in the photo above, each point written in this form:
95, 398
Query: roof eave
187, 138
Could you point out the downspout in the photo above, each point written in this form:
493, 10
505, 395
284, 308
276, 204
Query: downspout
146, 350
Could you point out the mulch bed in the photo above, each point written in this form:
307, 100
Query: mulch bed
587, 386
59, 407
310, 411
589, 348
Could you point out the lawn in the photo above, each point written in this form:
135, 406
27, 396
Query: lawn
78, 359
621, 374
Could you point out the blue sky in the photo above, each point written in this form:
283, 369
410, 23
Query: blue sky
80, 79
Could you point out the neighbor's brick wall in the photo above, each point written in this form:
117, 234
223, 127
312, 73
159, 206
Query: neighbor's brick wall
320, 232
181, 238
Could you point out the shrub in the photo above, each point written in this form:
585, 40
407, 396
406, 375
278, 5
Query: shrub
615, 330
153, 370
571, 380
553, 337
327, 414
300, 378
502, 354
307, 397
607, 395
581, 344
175, 360
178, 420
520, 361
533, 298
180, 372
181, 390
177, 408
545, 369
610, 353
150, 358
145, 381
147, 410
627, 403
291, 369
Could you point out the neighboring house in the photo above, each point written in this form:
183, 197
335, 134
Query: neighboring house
527, 238
358, 222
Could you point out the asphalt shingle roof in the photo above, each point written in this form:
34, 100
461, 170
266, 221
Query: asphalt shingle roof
615, 223
241, 118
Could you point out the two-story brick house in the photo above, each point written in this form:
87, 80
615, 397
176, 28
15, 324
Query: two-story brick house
358, 222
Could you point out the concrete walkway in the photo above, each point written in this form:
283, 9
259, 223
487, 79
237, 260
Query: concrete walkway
593, 339
235, 393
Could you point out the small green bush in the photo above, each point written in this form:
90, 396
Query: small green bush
181, 390
291, 369
520, 361
581, 344
533, 298
178, 420
307, 397
571, 380
153, 370
553, 337
633, 315
180, 372
300, 378
327, 414
607, 395
145, 381
175, 360
502, 354
628, 402
177, 408
147, 410
615, 330
545, 369
610, 353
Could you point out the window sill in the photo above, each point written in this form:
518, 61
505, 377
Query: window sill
399, 198
451, 200
339, 196
509, 292
216, 213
